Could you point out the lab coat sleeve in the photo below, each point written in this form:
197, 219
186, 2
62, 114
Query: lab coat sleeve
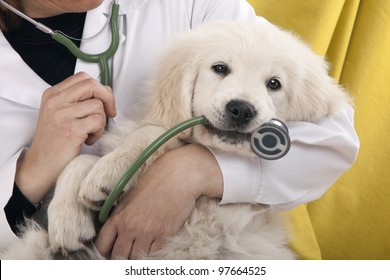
7, 174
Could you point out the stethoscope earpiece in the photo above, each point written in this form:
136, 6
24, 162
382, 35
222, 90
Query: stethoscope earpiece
271, 140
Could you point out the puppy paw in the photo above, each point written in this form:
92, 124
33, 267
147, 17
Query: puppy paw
70, 227
108, 170
101, 180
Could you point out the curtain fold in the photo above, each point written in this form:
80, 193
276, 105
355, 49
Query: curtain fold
338, 47
352, 220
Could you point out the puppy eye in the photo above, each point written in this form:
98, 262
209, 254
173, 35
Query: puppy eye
274, 84
221, 69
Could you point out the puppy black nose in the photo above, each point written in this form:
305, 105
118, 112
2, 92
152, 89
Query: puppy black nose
240, 112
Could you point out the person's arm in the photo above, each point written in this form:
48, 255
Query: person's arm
72, 113
160, 203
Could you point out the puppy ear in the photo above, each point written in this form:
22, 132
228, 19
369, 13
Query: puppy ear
173, 87
319, 94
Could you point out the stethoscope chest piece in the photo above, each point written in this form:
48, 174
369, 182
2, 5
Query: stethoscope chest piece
271, 140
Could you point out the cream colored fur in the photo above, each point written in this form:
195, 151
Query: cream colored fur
187, 85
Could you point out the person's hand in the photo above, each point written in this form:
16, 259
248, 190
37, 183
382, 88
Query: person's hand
160, 204
72, 113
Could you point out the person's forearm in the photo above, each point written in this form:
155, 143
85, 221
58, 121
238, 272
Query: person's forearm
33, 177
204, 166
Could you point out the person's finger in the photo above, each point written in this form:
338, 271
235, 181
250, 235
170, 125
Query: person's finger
106, 239
80, 87
97, 129
90, 88
123, 247
68, 82
79, 110
87, 130
141, 247
156, 246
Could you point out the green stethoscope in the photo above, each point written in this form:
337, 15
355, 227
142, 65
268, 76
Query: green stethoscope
100, 58
270, 141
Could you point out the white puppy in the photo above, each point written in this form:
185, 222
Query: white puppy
239, 76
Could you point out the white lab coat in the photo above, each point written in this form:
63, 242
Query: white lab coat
146, 26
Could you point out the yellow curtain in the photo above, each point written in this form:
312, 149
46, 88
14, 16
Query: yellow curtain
352, 220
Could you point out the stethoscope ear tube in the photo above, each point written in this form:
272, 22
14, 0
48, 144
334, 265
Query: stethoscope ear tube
271, 140
100, 58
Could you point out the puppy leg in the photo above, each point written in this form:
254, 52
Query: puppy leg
70, 223
32, 245
106, 173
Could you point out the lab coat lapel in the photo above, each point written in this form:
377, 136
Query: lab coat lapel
19, 83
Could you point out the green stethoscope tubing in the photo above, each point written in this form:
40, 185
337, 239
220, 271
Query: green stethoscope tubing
100, 58
113, 196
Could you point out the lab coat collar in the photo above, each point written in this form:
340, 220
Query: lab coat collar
27, 91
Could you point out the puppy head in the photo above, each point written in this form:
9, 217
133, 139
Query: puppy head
240, 75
